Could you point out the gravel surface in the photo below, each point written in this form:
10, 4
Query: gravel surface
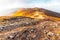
25, 28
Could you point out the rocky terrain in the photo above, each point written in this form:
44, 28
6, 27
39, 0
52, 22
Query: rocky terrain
27, 27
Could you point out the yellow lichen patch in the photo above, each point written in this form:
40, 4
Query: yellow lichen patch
33, 13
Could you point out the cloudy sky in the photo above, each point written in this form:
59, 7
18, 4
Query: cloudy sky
5, 5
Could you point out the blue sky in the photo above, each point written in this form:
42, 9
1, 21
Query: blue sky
28, 3
41, 2
53, 5
36, 1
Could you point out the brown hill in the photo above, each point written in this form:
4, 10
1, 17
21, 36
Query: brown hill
30, 24
32, 10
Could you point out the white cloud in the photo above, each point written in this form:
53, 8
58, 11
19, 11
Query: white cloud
5, 5
8, 4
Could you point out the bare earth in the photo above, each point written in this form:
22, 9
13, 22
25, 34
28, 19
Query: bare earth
26, 28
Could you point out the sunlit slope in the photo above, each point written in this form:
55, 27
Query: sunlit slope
34, 13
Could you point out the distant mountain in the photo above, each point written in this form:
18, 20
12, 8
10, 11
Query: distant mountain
32, 10
51, 13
